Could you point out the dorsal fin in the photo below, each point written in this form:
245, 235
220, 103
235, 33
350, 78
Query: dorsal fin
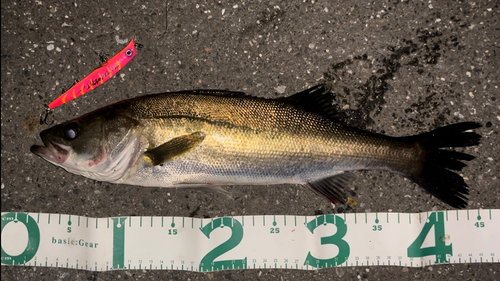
317, 99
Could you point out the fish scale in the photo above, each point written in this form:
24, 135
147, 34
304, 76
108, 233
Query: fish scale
290, 122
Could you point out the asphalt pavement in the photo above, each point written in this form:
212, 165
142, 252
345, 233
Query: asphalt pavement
396, 67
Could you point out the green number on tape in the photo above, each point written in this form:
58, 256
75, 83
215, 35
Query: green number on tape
118, 243
440, 249
207, 263
33, 238
479, 224
335, 239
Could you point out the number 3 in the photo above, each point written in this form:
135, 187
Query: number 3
335, 239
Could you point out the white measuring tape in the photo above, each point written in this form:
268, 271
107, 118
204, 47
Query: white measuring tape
247, 242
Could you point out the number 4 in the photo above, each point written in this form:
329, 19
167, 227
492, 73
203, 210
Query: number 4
440, 250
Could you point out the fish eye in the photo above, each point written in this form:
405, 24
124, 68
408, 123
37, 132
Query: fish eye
70, 131
70, 134
128, 53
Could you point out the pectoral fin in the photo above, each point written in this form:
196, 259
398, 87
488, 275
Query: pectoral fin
174, 148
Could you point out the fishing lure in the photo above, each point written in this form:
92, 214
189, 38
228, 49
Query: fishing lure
98, 76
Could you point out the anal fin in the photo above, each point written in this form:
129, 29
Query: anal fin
332, 188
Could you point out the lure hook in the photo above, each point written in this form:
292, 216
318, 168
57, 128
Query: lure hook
43, 120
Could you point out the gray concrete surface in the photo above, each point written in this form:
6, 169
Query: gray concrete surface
398, 67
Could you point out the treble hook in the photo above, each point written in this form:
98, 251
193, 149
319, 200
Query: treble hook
43, 120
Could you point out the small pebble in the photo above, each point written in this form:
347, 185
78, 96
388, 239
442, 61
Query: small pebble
280, 89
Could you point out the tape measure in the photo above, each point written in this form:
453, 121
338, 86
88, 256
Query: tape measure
248, 242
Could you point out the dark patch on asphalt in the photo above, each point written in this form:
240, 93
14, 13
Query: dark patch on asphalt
32, 124
360, 83
194, 213
428, 106
268, 19
318, 212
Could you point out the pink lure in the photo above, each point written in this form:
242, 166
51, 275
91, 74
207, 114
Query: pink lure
98, 76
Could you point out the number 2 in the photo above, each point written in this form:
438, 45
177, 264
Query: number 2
207, 263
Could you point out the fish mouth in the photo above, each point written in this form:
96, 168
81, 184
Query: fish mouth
51, 152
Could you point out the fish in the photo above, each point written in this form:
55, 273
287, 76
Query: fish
208, 139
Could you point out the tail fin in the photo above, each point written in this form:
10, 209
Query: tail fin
436, 175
